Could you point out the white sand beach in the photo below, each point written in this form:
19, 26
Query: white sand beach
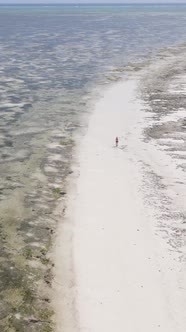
114, 272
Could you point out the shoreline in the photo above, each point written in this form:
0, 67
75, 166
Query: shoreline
115, 269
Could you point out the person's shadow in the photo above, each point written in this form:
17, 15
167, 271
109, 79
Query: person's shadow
121, 147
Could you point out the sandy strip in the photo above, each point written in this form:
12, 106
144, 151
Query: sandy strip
112, 272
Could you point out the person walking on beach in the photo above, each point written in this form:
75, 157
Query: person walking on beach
117, 140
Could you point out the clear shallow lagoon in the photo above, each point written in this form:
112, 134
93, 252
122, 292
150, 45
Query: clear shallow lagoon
52, 58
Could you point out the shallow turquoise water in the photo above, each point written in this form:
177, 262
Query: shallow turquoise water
94, 8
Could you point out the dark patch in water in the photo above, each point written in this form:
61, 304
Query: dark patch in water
8, 143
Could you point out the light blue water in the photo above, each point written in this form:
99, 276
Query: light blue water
67, 46
92, 8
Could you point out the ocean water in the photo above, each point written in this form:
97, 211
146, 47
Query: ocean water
54, 60
52, 57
